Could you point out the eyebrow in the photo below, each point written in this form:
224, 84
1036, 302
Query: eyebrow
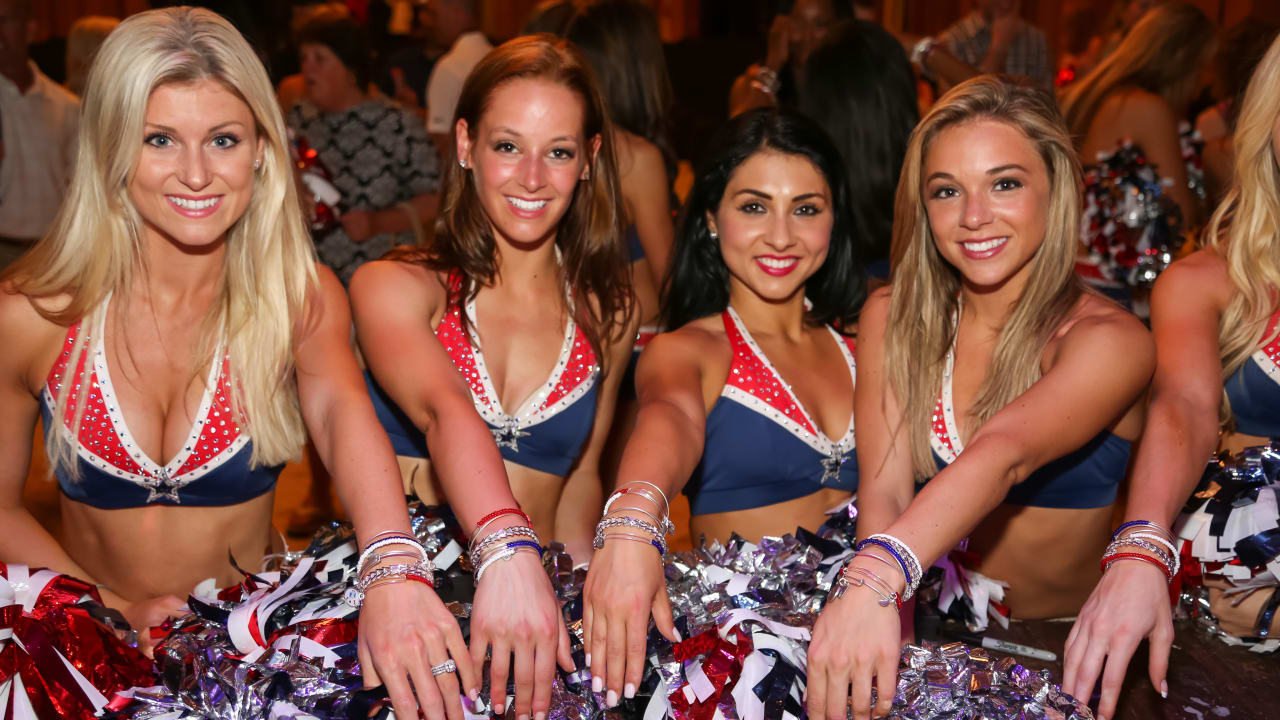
992, 171
767, 196
509, 131
212, 130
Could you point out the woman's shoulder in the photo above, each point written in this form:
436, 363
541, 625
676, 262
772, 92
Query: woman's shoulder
399, 281
1199, 277
26, 330
1134, 110
692, 346
1100, 322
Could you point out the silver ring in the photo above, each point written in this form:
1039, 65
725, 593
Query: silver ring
447, 666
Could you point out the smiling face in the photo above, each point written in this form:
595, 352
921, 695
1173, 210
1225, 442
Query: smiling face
986, 192
527, 157
194, 176
774, 222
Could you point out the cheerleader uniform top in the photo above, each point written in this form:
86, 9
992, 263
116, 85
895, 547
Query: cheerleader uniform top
212, 469
1088, 477
549, 429
1254, 389
762, 447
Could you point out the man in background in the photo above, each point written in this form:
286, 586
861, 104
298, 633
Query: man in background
454, 24
995, 39
39, 120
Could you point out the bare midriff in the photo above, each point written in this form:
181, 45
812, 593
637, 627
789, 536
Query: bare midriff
778, 519
156, 550
537, 492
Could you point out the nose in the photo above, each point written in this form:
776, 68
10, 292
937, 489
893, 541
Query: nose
977, 211
778, 234
193, 169
532, 172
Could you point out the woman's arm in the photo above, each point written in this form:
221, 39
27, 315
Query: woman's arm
1132, 601
625, 584
583, 494
886, 480
404, 628
1154, 128
394, 304
361, 225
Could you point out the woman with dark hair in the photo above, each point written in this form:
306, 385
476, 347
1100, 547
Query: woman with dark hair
620, 39
860, 88
377, 151
749, 398
528, 265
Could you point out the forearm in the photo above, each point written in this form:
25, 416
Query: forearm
397, 219
24, 540
664, 448
1180, 438
949, 506
359, 458
878, 508
469, 466
579, 507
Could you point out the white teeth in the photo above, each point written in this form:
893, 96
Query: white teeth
776, 263
186, 204
527, 205
986, 244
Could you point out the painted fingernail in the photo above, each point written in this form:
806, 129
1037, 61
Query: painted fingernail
539, 716
629, 691
588, 659
611, 699
1164, 689
597, 684
474, 694
678, 637
523, 717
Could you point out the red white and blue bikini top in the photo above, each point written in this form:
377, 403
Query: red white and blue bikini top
1254, 389
1088, 477
762, 447
547, 432
212, 468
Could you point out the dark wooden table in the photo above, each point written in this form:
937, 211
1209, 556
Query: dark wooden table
1208, 679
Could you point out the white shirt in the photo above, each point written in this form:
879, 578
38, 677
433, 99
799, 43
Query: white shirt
447, 77
40, 128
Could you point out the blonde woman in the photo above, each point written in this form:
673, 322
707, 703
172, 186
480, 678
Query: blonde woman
988, 373
1215, 317
180, 341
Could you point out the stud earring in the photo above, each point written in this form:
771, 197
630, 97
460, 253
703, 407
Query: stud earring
462, 164
257, 163
586, 174
715, 235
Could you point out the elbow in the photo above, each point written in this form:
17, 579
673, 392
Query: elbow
1005, 462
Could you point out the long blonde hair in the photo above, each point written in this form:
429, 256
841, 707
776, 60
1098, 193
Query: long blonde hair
925, 294
1161, 54
1245, 229
96, 247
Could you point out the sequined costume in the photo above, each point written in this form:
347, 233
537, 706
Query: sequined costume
213, 467
762, 447
1254, 389
546, 432
1130, 228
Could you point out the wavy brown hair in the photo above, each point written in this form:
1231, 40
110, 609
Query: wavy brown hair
925, 297
594, 262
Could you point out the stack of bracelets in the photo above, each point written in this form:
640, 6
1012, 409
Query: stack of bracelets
1144, 535
616, 524
384, 546
486, 550
907, 563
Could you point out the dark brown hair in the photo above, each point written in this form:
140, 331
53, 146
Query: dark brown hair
589, 236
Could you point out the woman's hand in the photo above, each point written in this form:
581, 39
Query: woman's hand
405, 631
1130, 602
146, 614
625, 585
516, 612
856, 641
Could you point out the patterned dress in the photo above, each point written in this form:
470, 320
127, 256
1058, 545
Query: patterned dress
379, 155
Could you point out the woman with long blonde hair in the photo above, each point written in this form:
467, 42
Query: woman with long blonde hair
1216, 317
983, 336
180, 341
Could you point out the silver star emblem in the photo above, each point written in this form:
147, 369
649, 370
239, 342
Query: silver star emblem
831, 467
162, 486
508, 436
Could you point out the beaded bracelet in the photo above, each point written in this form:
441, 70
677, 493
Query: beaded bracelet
917, 570
477, 551
1152, 548
525, 543
371, 547
598, 542
1136, 523
1110, 559
913, 581
399, 533
499, 513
